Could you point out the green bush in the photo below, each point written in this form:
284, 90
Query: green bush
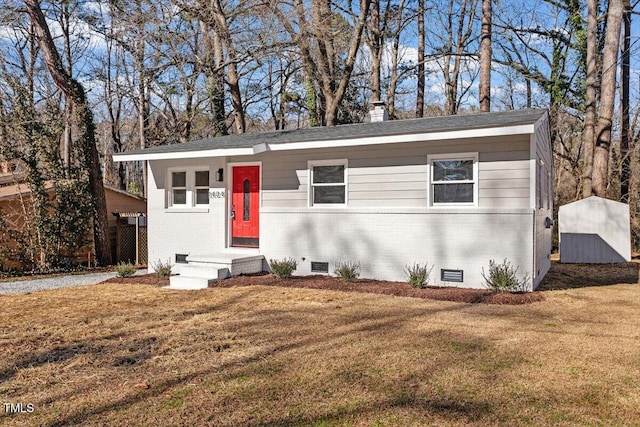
503, 277
348, 270
125, 269
283, 268
162, 269
418, 274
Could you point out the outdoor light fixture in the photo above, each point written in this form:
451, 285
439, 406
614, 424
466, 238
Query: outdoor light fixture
220, 175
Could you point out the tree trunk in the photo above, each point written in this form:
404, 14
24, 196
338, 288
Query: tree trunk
588, 136
76, 95
607, 98
421, 76
215, 81
143, 111
485, 57
625, 168
376, 43
221, 28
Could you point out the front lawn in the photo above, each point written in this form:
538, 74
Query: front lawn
119, 354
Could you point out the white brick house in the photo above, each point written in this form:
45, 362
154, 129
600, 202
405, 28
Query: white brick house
453, 192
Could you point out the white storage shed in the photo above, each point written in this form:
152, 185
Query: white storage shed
594, 231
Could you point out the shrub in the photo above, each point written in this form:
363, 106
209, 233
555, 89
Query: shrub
162, 269
283, 268
348, 270
503, 277
125, 269
418, 274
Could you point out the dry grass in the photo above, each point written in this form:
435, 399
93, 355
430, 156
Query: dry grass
117, 354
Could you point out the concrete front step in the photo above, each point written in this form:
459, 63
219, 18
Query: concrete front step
201, 270
189, 283
212, 271
235, 263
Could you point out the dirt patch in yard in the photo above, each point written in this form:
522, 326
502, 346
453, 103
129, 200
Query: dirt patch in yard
143, 279
570, 276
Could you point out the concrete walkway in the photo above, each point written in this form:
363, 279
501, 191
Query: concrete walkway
57, 282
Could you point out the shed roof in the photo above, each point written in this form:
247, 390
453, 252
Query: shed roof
10, 192
393, 131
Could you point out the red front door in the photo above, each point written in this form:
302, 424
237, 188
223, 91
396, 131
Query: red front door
245, 212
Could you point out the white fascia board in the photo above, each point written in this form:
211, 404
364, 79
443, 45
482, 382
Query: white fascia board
414, 137
349, 142
124, 157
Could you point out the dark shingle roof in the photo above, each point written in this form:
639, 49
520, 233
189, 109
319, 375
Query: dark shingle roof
361, 130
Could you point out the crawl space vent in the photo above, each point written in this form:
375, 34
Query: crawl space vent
181, 258
319, 267
451, 275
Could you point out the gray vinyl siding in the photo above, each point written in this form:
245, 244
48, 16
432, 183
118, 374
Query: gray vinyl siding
543, 235
386, 177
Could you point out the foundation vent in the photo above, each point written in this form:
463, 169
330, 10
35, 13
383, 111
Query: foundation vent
319, 267
181, 258
451, 275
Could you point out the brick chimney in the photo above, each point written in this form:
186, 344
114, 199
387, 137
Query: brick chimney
379, 112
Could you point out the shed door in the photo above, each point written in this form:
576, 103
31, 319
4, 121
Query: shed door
245, 212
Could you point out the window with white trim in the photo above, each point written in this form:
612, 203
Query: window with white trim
453, 179
188, 188
202, 187
328, 183
179, 188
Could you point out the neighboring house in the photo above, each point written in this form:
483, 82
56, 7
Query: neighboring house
453, 192
594, 231
13, 194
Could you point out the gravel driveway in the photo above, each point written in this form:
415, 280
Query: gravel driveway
57, 282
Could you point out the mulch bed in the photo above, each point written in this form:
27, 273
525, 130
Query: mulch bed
400, 289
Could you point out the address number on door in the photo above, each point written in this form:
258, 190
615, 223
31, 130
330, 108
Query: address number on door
216, 194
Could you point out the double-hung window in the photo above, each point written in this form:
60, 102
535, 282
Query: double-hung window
179, 188
202, 187
328, 183
454, 179
188, 188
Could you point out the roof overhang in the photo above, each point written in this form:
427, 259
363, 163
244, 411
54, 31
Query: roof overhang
196, 154
523, 129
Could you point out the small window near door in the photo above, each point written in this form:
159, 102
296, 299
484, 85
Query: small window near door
328, 184
179, 188
202, 187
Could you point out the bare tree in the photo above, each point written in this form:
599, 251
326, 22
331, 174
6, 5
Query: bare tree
77, 98
397, 22
329, 65
453, 49
216, 17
